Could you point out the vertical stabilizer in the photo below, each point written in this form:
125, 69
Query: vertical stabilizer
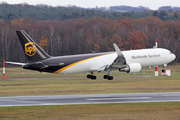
31, 49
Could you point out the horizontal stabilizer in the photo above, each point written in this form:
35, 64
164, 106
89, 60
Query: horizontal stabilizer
15, 63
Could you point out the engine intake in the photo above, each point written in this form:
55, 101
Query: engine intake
131, 68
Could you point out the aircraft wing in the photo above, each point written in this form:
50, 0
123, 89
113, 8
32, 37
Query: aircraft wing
15, 63
120, 61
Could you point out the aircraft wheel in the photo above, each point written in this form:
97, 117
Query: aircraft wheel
105, 76
110, 78
163, 70
93, 77
89, 76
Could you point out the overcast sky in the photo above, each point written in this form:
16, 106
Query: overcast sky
152, 4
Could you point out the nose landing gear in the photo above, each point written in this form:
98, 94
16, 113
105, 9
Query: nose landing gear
164, 68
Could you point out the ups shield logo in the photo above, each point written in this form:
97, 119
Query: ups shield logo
30, 48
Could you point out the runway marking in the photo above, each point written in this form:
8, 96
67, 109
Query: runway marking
89, 99
119, 98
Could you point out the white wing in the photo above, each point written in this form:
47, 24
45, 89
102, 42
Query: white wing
120, 61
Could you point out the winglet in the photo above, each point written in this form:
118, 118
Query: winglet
118, 51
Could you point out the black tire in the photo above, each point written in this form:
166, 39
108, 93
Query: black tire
105, 76
163, 70
93, 77
89, 76
110, 78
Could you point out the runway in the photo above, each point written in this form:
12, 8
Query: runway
88, 99
71, 78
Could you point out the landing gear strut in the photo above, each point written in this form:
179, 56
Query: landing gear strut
91, 76
108, 77
164, 69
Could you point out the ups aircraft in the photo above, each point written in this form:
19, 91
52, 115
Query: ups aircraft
130, 61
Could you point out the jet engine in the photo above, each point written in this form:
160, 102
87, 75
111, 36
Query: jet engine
131, 68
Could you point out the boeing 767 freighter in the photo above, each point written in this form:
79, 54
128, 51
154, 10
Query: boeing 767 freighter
130, 61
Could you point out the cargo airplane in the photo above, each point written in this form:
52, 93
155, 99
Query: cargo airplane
130, 61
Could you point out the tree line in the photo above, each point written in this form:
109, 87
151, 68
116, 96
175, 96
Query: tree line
44, 12
78, 36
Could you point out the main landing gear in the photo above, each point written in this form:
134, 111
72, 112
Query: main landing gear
93, 77
108, 77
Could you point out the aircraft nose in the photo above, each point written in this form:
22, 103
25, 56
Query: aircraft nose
173, 56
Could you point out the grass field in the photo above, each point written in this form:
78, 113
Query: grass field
83, 85
130, 111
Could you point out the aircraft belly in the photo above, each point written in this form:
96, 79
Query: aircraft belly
91, 65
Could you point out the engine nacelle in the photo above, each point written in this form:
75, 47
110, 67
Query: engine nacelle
131, 68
